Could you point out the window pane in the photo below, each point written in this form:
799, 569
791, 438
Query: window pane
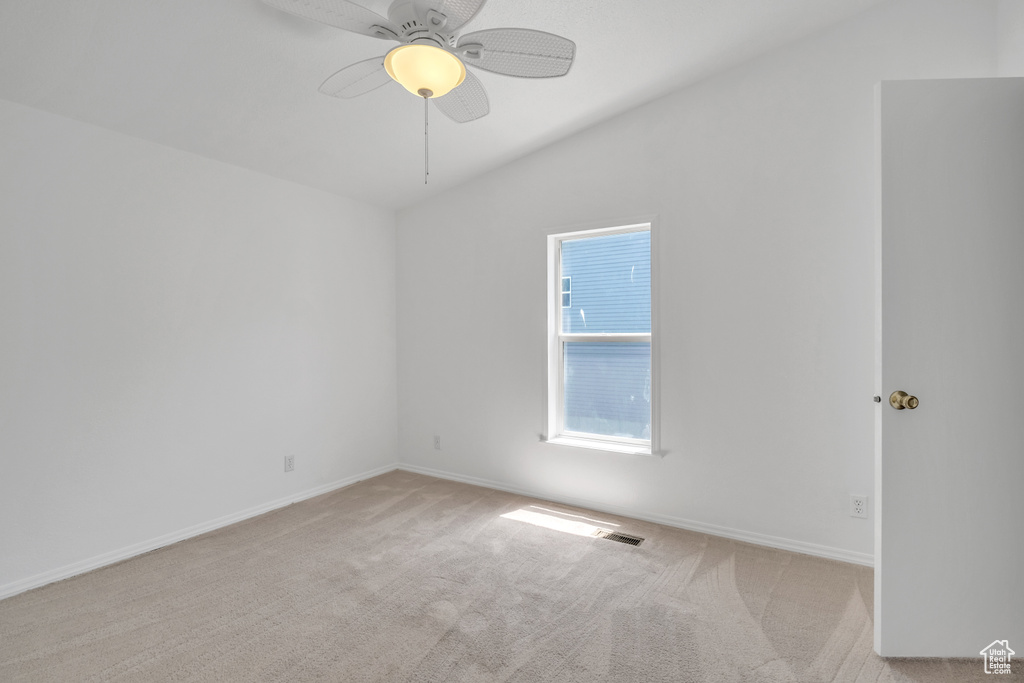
608, 388
611, 283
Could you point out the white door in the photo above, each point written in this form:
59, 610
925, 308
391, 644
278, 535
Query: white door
949, 533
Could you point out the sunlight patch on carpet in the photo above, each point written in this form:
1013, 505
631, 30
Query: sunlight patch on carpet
560, 521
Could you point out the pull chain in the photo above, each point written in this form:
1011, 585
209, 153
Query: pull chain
426, 142
426, 93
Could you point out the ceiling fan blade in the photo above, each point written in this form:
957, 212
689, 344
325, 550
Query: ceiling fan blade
340, 13
519, 52
466, 102
458, 12
357, 79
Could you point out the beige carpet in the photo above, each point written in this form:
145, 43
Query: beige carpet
409, 578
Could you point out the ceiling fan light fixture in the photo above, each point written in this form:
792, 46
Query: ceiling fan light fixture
422, 69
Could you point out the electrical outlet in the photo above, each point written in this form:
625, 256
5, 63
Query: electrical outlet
289, 463
859, 506
437, 443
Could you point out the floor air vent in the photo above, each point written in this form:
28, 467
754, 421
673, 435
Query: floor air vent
621, 538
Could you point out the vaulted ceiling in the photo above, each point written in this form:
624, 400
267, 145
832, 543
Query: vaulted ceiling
236, 80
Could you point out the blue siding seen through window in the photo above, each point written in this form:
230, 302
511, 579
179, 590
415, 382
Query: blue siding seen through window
607, 385
608, 388
611, 283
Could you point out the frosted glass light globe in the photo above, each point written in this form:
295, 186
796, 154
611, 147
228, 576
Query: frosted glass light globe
425, 70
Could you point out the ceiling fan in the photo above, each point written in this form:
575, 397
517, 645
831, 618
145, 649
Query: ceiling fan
431, 60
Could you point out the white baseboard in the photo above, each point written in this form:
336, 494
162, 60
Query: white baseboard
805, 548
125, 553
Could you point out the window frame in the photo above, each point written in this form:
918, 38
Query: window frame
555, 431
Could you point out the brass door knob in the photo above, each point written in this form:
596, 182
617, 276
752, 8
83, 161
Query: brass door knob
901, 399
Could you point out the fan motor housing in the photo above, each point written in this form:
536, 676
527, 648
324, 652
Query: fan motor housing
420, 27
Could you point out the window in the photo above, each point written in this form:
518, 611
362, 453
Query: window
600, 343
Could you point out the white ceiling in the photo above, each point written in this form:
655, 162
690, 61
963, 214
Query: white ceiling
236, 81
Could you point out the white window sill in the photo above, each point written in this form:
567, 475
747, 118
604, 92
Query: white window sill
597, 445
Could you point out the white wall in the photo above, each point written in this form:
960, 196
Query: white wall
1010, 21
762, 179
170, 328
